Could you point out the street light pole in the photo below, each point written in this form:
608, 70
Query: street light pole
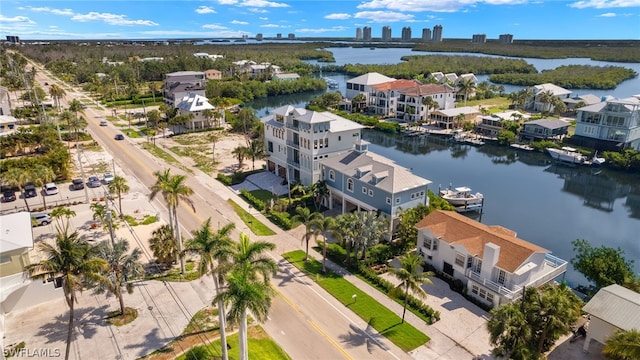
106, 202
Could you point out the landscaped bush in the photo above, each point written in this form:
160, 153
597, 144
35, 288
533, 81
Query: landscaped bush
254, 201
225, 179
281, 219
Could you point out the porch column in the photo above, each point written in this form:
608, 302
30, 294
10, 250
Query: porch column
343, 203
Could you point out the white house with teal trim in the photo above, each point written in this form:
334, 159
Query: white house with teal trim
362, 180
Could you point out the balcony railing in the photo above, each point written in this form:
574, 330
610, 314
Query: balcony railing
293, 163
293, 145
291, 125
512, 293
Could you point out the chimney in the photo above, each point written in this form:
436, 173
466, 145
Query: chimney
489, 260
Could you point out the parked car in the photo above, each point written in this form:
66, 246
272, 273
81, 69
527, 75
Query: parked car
50, 189
8, 196
103, 123
108, 178
94, 182
39, 219
30, 191
77, 184
119, 137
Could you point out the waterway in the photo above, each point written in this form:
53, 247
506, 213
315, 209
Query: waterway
544, 203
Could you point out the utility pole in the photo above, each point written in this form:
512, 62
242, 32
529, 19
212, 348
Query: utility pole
106, 202
86, 193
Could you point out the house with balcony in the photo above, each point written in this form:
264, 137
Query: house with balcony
576, 102
536, 103
491, 125
454, 117
383, 96
492, 262
179, 84
194, 104
409, 106
609, 125
296, 139
611, 309
361, 180
363, 84
544, 129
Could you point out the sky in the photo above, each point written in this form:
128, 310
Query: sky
180, 19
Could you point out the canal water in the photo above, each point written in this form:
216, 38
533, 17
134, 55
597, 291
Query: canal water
547, 204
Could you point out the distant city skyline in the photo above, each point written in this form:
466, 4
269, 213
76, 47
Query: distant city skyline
156, 19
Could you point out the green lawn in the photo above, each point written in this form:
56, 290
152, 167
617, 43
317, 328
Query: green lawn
132, 133
158, 152
261, 346
252, 223
388, 323
264, 195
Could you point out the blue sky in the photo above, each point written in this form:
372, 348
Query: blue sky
159, 19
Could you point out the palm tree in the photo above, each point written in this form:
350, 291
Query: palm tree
411, 278
346, 226
459, 118
40, 175
240, 152
466, 86
214, 249
62, 212
56, 93
429, 103
163, 245
73, 261
306, 217
214, 137
18, 177
208, 114
623, 345
119, 186
122, 268
255, 150
246, 251
558, 307
325, 226
153, 88
509, 332
162, 179
320, 192
174, 190
546, 98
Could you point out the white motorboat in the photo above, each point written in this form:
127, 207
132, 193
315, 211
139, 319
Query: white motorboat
461, 196
568, 155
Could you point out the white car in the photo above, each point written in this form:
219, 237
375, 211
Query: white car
108, 178
50, 189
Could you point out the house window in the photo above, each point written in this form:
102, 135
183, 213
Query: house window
370, 192
478, 266
270, 146
398, 200
483, 293
459, 259
469, 261
326, 142
475, 289
350, 185
332, 175
364, 190
339, 138
490, 297
435, 244
501, 276
388, 201
426, 243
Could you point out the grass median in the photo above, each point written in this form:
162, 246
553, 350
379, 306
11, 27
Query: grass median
385, 321
252, 223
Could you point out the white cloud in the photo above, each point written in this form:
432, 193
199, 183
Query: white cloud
205, 10
65, 12
431, 5
340, 16
183, 33
383, 16
111, 19
274, 26
263, 18
238, 22
262, 3
608, 15
258, 11
322, 30
227, 2
605, 4
15, 19
214, 27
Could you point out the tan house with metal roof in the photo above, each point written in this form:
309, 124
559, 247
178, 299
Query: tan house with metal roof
612, 308
492, 261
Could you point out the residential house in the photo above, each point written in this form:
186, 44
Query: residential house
204, 55
297, 139
611, 125
8, 124
383, 96
253, 69
179, 84
213, 74
611, 309
544, 129
491, 261
535, 102
409, 104
5, 101
363, 84
466, 77
491, 125
454, 117
359, 179
285, 76
195, 104
576, 102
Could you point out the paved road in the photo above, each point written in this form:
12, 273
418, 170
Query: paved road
305, 320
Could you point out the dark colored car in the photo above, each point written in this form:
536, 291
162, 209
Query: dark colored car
119, 137
8, 196
77, 184
30, 191
94, 182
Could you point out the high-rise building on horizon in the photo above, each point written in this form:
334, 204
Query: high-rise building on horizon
426, 34
278, 36
437, 33
386, 33
479, 38
359, 34
259, 36
366, 33
506, 38
291, 36
12, 39
406, 33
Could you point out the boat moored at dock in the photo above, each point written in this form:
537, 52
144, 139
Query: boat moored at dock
462, 196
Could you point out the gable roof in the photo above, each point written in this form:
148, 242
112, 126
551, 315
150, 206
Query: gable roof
555, 89
381, 172
371, 78
16, 232
395, 85
427, 89
194, 102
617, 306
457, 229
459, 110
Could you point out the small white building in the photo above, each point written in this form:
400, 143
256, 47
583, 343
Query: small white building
8, 124
612, 308
196, 104
534, 103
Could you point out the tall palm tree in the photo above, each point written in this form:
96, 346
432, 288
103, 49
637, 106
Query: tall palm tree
174, 190
466, 86
320, 192
429, 103
546, 98
62, 212
56, 93
306, 217
346, 226
240, 153
119, 186
623, 345
40, 175
248, 286
162, 179
73, 260
558, 307
208, 114
509, 332
255, 150
411, 278
325, 226
122, 267
214, 249
18, 177
214, 137
163, 245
